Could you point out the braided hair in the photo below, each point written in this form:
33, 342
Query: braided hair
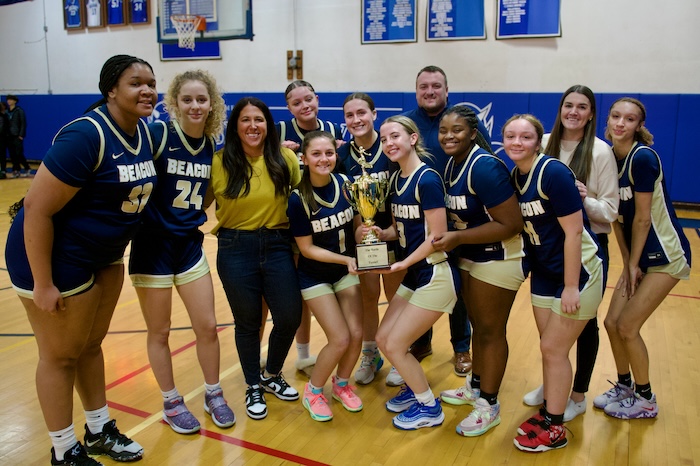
112, 70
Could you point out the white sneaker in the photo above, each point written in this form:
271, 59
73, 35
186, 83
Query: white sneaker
573, 409
370, 364
535, 397
393, 378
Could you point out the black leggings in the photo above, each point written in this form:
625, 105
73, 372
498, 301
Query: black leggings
587, 343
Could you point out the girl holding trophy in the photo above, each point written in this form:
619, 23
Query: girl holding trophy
323, 223
417, 200
360, 115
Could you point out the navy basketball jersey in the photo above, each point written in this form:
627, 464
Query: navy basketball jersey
72, 13
409, 197
382, 168
183, 165
139, 13
641, 171
546, 193
116, 175
290, 131
481, 181
115, 12
330, 225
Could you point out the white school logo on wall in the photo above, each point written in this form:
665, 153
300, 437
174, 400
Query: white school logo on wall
484, 114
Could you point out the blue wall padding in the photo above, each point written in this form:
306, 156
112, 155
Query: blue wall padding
673, 119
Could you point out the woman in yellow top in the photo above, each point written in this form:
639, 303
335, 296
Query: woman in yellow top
251, 181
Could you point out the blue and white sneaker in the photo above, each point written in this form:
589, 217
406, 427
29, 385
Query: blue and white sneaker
420, 415
634, 407
402, 401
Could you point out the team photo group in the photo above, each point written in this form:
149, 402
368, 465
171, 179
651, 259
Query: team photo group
417, 208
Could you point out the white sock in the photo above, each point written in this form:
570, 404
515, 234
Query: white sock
314, 389
63, 440
212, 388
369, 345
426, 398
170, 394
96, 419
303, 350
340, 381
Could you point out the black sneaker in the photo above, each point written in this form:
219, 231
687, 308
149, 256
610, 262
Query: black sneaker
255, 405
279, 387
111, 442
76, 456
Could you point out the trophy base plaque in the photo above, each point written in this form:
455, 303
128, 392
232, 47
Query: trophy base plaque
373, 256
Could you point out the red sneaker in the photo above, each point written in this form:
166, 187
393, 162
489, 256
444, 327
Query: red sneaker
531, 424
543, 438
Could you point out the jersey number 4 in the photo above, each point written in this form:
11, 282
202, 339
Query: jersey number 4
530, 230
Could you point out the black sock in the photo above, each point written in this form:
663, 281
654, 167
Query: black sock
644, 391
553, 419
625, 379
543, 408
476, 382
492, 398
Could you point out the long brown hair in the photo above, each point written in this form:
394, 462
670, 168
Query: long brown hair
582, 158
305, 187
237, 165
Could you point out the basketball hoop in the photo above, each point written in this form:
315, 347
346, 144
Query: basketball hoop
186, 27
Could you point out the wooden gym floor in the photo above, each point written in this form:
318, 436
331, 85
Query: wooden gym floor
289, 436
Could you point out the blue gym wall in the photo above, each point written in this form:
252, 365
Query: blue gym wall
672, 119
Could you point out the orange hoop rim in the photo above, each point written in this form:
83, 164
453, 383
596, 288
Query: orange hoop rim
199, 22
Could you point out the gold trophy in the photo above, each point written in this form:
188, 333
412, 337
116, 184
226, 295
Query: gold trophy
366, 194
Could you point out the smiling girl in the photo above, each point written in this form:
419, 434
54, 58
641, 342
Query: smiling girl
429, 289
567, 274
168, 251
485, 225
323, 224
65, 252
360, 116
573, 141
655, 255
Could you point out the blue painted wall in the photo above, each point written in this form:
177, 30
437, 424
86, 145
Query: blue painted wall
672, 119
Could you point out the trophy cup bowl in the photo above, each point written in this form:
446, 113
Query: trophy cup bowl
366, 194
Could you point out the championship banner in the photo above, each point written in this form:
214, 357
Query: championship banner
528, 18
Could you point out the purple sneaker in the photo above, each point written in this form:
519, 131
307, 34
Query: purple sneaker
216, 406
176, 414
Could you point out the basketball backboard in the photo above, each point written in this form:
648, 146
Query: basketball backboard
225, 19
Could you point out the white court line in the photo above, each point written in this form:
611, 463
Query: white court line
196, 392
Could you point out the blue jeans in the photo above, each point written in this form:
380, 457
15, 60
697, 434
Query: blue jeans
254, 265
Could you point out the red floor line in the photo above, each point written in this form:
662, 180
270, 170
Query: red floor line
138, 371
128, 409
260, 448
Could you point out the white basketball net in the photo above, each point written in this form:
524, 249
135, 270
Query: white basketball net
186, 26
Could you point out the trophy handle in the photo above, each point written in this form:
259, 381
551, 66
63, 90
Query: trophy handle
346, 189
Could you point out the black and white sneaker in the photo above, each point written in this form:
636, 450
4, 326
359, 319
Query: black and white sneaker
255, 405
76, 456
279, 387
111, 442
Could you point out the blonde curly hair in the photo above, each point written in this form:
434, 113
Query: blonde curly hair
215, 121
